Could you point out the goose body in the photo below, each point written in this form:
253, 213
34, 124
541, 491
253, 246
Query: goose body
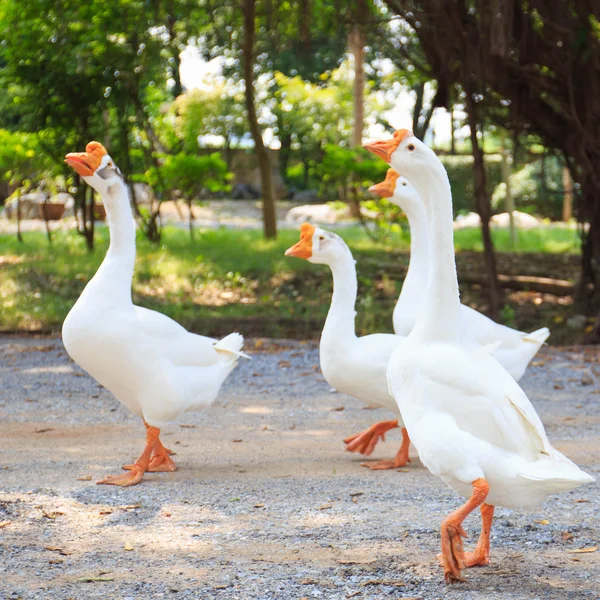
351, 364
514, 349
471, 423
476, 422
150, 363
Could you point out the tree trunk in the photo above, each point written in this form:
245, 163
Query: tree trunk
46, 221
356, 41
483, 207
588, 210
567, 182
264, 165
88, 218
190, 217
421, 122
452, 132
285, 151
19, 234
177, 89
509, 202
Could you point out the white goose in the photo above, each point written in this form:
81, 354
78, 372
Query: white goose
471, 423
515, 349
151, 364
352, 365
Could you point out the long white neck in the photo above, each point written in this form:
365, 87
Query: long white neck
339, 324
417, 276
440, 319
113, 278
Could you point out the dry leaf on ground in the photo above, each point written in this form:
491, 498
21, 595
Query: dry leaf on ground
583, 550
61, 551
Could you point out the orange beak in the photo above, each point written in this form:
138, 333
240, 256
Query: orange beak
303, 249
386, 188
385, 148
86, 163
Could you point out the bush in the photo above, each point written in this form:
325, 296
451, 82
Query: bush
346, 168
190, 174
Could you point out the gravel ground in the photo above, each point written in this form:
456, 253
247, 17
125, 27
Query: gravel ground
266, 504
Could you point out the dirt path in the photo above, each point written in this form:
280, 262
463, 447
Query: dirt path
266, 503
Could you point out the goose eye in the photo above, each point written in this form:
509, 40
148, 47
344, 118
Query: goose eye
411, 147
404, 184
321, 237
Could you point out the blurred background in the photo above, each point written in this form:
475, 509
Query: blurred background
234, 122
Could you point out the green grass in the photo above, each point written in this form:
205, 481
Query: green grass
224, 279
548, 240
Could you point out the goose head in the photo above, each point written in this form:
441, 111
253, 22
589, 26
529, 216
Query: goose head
405, 153
398, 189
318, 246
96, 167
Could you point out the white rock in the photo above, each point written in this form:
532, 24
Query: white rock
522, 220
469, 220
313, 213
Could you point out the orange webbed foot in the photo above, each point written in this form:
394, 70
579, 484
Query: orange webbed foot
399, 461
365, 442
383, 465
159, 463
132, 477
478, 558
137, 470
162, 463
453, 556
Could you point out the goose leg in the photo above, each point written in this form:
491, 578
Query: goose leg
161, 461
453, 557
139, 467
481, 555
366, 441
400, 459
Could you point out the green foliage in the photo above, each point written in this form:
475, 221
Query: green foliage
349, 169
77, 71
22, 162
218, 111
190, 174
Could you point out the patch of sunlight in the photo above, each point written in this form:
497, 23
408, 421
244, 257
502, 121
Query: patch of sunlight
558, 246
10, 259
319, 432
321, 518
256, 410
51, 369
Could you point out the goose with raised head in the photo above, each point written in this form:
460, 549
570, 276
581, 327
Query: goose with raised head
513, 349
471, 423
151, 364
352, 365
